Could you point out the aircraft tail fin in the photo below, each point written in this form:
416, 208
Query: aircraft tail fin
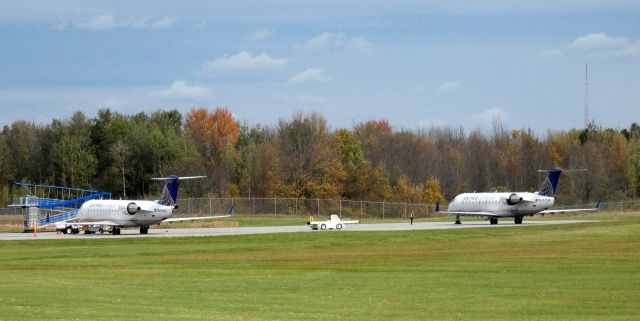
169, 194
550, 183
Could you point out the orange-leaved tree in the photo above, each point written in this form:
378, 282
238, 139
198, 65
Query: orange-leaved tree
214, 135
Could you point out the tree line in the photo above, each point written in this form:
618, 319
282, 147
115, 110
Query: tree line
303, 157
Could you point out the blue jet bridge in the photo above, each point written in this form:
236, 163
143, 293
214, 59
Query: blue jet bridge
44, 204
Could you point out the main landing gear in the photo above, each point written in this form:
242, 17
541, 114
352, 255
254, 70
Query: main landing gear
458, 219
493, 220
144, 229
517, 219
115, 230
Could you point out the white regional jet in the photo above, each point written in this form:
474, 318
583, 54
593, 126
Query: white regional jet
510, 204
110, 215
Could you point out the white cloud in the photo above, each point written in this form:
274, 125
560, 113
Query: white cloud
165, 22
322, 41
107, 21
361, 44
597, 41
180, 89
630, 51
260, 34
490, 116
242, 61
141, 23
151, 23
448, 88
309, 76
335, 40
601, 45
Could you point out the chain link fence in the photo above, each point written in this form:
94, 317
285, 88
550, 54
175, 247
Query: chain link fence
344, 208
310, 207
11, 216
300, 207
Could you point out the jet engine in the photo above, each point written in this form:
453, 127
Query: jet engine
514, 199
132, 208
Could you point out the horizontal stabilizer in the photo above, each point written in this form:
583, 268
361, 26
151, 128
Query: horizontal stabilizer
169, 194
175, 177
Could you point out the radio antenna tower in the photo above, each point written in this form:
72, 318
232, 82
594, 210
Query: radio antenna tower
586, 95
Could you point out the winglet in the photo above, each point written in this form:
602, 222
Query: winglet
598, 205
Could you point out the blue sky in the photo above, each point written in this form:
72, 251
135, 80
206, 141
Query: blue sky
415, 63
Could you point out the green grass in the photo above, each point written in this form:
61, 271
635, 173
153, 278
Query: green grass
587, 271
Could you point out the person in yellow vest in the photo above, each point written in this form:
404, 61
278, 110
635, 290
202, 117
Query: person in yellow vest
411, 217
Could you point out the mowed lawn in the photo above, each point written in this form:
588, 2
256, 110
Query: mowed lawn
587, 271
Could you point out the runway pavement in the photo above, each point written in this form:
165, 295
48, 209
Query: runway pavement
220, 231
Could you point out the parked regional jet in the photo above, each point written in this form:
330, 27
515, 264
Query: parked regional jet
111, 215
510, 204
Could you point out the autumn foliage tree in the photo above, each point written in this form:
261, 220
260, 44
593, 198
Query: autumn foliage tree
301, 156
214, 135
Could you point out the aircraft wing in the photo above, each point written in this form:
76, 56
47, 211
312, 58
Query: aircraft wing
180, 219
567, 210
552, 211
103, 223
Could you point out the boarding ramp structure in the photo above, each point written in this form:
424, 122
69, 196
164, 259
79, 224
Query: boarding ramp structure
46, 204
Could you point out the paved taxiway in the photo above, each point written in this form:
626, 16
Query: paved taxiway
219, 231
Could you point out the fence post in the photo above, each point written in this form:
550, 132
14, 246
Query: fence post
404, 216
275, 206
383, 210
340, 207
253, 209
318, 208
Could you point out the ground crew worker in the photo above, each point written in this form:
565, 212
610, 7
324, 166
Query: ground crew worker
411, 217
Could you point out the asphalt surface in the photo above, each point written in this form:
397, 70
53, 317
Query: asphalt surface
220, 231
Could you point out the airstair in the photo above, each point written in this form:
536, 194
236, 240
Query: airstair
45, 204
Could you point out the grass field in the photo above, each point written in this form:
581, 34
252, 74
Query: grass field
587, 271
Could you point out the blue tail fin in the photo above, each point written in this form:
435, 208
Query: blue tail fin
550, 184
169, 191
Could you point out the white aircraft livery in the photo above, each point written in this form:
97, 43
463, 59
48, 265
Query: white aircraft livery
110, 215
510, 204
